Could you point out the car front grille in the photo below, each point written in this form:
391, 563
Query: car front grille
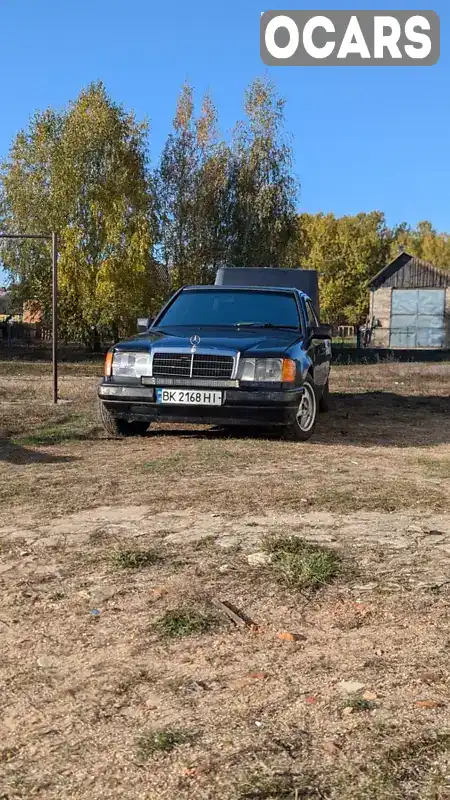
192, 365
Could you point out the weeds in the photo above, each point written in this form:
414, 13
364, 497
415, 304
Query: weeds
134, 559
299, 564
180, 622
162, 741
357, 703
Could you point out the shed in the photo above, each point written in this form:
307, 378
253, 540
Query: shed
410, 305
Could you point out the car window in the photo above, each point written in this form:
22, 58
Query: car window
231, 307
312, 317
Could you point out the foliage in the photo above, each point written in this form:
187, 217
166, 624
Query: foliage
263, 189
424, 242
127, 236
192, 190
347, 252
83, 173
225, 204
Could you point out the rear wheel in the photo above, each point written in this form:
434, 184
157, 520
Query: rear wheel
121, 427
304, 423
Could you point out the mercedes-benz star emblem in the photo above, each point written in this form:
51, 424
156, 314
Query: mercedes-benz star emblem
194, 340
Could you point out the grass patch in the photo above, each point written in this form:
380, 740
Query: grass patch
300, 564
181, 622
162, 741
358, 704
69, 430
134, 559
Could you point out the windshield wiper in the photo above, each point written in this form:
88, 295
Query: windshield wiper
264, 325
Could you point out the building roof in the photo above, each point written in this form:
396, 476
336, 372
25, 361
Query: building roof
410, 272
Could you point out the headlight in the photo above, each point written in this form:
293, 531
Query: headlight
131, 365
275, 370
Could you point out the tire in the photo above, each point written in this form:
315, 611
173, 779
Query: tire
119, 428
324, 402
302, 428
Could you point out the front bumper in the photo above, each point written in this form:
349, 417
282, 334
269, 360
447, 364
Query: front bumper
250, 406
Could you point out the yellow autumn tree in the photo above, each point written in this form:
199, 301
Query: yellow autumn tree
83, 172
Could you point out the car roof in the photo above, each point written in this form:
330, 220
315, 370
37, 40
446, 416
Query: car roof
265, 289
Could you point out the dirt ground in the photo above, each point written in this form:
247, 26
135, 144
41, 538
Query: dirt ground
101, 540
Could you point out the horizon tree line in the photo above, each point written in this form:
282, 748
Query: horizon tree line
130, 233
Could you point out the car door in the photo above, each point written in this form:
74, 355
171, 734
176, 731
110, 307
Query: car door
320, 349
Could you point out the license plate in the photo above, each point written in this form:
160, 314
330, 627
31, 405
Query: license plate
188, 397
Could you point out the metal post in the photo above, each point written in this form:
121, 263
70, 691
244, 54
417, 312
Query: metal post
55, 315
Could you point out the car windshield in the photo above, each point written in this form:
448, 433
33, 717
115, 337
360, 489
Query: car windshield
232, 308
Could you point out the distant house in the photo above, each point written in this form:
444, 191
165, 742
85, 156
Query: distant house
410, 305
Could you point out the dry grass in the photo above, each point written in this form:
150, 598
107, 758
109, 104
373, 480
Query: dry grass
299, 564
155, 697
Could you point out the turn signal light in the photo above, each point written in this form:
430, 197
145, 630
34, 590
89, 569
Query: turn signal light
288, 371
108, 363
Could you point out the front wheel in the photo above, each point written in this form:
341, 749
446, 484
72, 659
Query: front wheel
121, 427
302, 427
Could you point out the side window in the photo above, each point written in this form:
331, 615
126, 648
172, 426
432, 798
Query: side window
312, 317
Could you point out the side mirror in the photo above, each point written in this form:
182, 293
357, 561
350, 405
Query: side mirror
321, 331
143, 324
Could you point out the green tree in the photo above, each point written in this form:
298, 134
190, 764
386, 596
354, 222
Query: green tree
83, 172
192, 190
212, 203
347, 252
175, 181
424, 242
263, 189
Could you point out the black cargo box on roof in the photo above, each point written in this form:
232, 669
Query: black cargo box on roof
304, 279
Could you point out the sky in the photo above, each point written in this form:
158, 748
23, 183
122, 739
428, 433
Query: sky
364, 138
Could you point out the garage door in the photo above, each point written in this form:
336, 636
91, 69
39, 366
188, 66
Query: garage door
417, 318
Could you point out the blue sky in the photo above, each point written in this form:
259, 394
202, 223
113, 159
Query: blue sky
364, 138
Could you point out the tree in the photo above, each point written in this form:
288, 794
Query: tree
192, 190
424, 242
211, 197
83, 172
263, 189
175, 181
221, 204
347, 252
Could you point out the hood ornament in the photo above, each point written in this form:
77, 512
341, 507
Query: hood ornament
194, 340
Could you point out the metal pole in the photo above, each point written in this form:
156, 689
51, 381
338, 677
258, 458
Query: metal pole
55, 315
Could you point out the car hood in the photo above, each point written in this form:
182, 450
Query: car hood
254, 341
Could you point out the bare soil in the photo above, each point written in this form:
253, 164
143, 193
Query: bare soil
356, 707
